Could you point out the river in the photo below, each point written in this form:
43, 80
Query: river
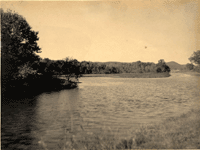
117, 104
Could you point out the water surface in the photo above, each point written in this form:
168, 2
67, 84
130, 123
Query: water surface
122, 104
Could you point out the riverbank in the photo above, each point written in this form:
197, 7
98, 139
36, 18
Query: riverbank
130, 75
173, 133
181, 132
34, 86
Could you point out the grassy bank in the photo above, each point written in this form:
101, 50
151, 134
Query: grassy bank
130, 75
173, 133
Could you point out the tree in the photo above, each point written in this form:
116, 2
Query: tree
189, 66
197, 68
71, 68
195, 58
162, 67
159, 70
25, 71
18, 44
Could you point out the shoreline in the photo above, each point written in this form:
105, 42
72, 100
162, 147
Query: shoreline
130, 75
34, 87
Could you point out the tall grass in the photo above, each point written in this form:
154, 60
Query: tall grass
173, 133
88, 141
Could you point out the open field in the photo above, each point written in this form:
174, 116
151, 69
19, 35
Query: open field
130, 75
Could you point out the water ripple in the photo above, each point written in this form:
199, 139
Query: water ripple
117, 103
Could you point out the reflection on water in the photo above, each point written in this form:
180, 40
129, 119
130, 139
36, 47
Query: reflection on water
18, 124
118, 103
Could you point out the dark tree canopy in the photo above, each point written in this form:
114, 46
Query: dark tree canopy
195, 58
189, 66
162, 67
18, 43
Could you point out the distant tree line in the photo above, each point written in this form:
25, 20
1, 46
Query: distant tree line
117, 67
73, 68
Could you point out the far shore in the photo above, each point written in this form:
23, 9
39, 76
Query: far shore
143, 75
190, 73
130, 75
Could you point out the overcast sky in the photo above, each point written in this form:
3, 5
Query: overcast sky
145, 30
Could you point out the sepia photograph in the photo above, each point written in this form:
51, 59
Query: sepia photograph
100, 75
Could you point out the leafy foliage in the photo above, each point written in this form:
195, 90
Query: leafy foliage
68, 67
18, 45
116, 67
25, 71
197, 68
195, 58
162, 67
189, 66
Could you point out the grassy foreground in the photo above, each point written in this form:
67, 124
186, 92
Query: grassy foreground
173, 133
130, 75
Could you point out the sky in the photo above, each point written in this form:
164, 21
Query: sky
123, 31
